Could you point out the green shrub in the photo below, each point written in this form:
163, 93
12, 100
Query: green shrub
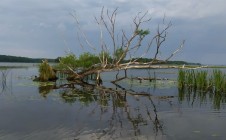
86, 60
70, 60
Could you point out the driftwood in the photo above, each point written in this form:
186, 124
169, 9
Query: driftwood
108, 68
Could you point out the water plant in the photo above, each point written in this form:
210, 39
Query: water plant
219, 81
181, 79
46, 72
202, 80
190, 79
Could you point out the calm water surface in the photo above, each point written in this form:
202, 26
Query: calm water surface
38, 111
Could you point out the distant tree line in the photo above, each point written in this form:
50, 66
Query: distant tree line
88, 61
146, 60
7, 58
85, 59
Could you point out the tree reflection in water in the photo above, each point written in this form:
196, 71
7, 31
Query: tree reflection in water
4, 85
119, 111
46, 89
201, 98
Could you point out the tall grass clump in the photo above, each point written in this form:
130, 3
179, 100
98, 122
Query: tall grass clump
181, 79
46, 72
200, 80
193, 80
219, 81
190, 79
186, 78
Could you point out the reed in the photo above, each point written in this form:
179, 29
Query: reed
224, 85
210, 84
200, 80
186, 79
181, 79
190, 79
219, 81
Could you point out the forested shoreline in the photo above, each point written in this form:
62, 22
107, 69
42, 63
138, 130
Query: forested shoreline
8, 58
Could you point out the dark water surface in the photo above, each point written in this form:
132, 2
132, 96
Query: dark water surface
38, 111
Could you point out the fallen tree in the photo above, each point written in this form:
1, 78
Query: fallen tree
132, 45
125, 44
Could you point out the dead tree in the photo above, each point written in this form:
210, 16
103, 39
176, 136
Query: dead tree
125, 43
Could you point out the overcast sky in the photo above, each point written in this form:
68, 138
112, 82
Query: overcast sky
35, 28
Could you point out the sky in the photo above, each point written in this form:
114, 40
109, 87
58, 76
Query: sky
46, 29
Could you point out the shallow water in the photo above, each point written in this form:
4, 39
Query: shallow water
31, 110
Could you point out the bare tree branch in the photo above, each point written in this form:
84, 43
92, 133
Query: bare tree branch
160, 37
176, 51
81, 31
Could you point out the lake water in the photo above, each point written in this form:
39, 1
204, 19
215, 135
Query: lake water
39, 111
